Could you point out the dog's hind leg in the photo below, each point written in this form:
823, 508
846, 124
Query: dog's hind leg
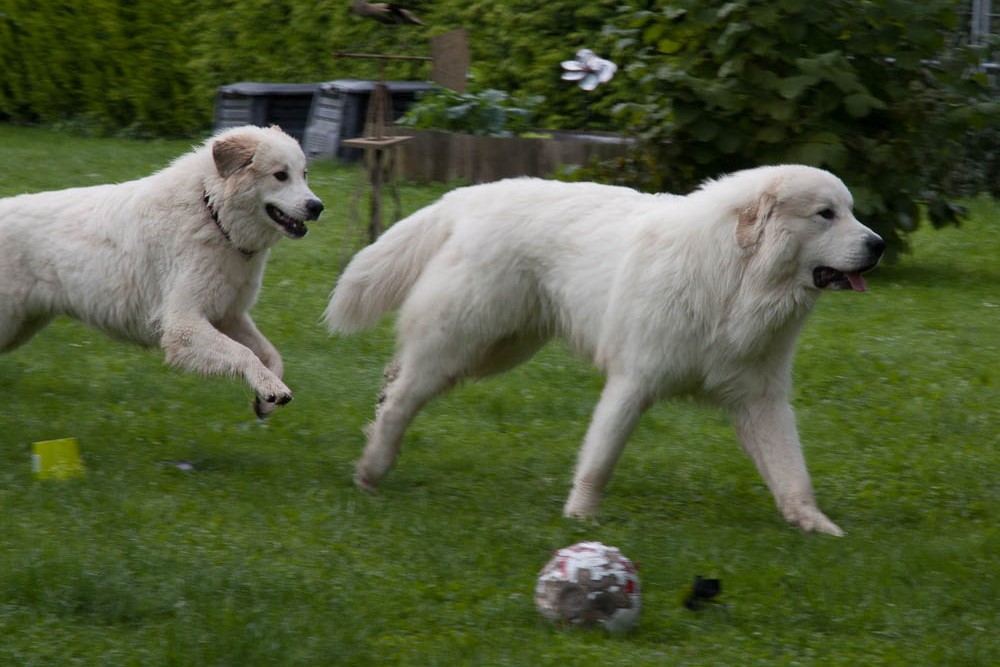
409, 385
450, 328
622, 403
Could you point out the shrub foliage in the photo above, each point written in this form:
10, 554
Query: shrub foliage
152, 68
867, 90
878, 92
102, 65
488, 113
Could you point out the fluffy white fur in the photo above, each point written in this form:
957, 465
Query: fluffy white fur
147, 261
703, 294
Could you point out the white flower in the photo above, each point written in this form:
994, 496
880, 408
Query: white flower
588, 69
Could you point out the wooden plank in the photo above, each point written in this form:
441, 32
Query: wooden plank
446, 156
371, 142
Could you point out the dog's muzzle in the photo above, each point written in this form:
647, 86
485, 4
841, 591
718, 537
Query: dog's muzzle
294, 227
826, 277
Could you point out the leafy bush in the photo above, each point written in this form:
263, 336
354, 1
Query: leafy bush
517, 46
144, 67
977, 171
863, 89
489, 113
152, 68
868, 91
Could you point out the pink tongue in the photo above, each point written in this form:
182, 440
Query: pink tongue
858, 283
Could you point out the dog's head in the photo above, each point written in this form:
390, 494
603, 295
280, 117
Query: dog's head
263, 172
802, 217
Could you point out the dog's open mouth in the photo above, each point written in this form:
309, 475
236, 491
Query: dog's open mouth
294, 228
825, 277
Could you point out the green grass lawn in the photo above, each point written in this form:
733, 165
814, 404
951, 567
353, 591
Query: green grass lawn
265, 554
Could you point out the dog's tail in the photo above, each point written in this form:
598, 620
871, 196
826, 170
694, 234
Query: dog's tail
379, 277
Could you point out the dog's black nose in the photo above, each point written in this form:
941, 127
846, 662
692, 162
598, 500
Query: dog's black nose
876, 246
315, 207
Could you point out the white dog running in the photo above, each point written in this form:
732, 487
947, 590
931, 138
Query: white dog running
174, 259
703, 294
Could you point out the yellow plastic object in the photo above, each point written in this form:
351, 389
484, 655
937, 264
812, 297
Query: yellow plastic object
56, 459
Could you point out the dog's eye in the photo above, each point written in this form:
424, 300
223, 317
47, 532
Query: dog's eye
828, 214
281, 175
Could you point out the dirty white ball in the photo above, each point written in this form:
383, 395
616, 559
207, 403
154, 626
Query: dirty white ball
590, 584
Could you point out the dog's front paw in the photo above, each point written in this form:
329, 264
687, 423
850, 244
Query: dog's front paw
582, 504
810, 519
821, 524
264, 405
365, 484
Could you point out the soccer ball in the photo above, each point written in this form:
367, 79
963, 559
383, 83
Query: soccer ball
590, 584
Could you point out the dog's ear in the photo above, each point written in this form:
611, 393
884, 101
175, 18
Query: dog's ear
233, 153
750, 224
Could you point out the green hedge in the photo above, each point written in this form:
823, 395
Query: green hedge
860, 88
111, 66
151, 68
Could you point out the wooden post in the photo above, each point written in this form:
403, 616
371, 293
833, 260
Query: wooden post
380, 158
375, 178
451, 61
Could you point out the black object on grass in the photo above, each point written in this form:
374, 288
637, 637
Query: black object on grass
703, 590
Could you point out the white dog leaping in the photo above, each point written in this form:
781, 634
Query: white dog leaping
172, 260
703, 295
